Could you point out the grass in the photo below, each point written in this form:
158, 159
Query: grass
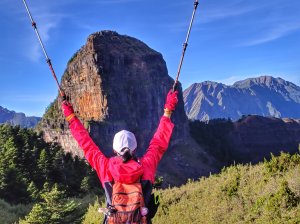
239, 194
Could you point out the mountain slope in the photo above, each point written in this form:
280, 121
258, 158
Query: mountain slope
265, 193
265, 95
248, 140
13, 118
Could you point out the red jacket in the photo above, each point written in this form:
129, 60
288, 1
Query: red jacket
110, 169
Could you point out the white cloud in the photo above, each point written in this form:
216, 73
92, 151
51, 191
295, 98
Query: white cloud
211, 12
35, 52
274, 33
261, 22
47, 19
225, 11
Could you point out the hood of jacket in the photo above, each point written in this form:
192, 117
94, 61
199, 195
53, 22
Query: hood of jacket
129, 172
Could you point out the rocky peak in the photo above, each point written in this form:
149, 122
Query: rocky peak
265, 95
117, 82
262, 80
288, 90
121, 81
265, 81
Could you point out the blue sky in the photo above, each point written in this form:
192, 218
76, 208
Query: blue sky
230, 40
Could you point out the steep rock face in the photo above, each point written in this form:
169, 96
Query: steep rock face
265, 95
13, 118
117, 82
255, 137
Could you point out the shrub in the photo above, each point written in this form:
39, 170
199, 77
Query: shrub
281, 163
92, 215
11, 213
239, 194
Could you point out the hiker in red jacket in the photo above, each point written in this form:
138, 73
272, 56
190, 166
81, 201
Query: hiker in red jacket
125, 167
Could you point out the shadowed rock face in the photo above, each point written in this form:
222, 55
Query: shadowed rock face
254, 137
251, 139
117, 82
265, 96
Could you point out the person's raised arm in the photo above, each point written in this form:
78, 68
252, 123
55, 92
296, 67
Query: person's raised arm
91, 151
161, 138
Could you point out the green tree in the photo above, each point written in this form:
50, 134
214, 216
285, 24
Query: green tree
27, 162
54, 208
33, 191
84, 186
12, 184
44, 165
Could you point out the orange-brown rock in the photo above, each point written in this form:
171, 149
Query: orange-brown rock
117, 82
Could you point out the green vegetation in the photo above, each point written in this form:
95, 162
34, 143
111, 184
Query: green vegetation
51, 111
265, 193
52, 118
11, 213
54, 208
92, 215
262, 193
40, 184
30, 167
73, 56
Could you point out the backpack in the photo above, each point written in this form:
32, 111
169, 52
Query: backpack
127, 199
128, 205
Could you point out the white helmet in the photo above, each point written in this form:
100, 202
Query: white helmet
124, 139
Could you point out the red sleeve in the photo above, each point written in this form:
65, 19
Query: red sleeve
91, 151
157, 148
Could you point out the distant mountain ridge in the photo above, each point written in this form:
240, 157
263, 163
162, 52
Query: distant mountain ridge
264, 95
14, 118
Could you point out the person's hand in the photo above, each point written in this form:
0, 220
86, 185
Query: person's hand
171, 100
68, 110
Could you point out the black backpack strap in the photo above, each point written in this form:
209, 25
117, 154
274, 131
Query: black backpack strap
105, 220
153, 206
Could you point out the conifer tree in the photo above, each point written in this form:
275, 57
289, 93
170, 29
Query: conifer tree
54, 208
12, 185
27, 162
33, 191
43, 164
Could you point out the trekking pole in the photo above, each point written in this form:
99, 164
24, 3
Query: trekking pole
185, 45
48, 60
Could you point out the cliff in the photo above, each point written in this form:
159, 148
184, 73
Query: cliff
117, 82
265, 96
